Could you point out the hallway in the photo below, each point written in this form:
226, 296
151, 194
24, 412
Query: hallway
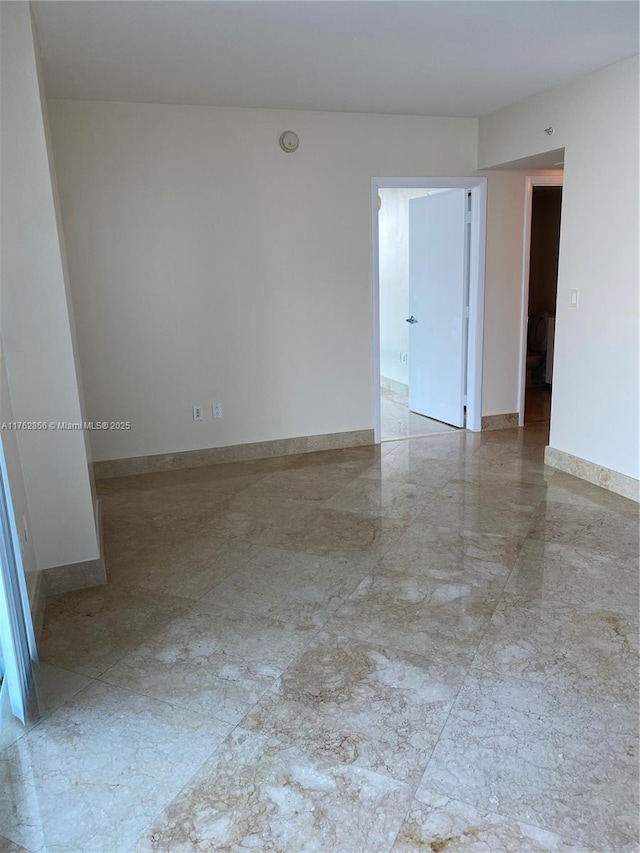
424, 645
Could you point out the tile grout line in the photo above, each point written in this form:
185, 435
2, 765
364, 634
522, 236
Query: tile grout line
453, 703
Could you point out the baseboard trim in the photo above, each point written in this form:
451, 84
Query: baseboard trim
621, 484
61, 579
507, 421
58, 580
231, 453
394, 385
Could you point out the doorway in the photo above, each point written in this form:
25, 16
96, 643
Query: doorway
428, 298
540, 285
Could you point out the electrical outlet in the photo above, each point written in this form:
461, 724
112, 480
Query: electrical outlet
197, 412
216, 410
404, 357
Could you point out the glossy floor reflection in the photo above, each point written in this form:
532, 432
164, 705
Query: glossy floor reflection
430, 645
398, 421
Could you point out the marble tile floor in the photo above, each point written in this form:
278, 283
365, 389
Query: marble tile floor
398, 421
428, 645
537, 403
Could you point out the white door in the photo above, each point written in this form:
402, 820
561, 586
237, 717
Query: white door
437, 297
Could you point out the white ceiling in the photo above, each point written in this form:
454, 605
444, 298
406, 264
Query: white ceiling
423, 57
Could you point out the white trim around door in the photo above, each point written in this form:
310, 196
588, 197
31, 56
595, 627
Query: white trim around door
478, 188
531, 181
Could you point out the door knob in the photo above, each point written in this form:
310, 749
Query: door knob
411, 320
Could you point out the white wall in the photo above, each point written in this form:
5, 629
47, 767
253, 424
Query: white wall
207, 265
503, 291
596, 388
35, 324
393, 239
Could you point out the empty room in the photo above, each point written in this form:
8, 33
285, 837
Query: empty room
319, 426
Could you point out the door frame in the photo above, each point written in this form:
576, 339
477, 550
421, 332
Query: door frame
17, 638
477, 186
530, 182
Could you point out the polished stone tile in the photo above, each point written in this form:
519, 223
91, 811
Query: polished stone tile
547, 757
225, 479
339, 534
509, 452
403, 466
293, 587
172, 492
88, 630
563, 488
398, 421
401, 501
168, 500
220, 578
354, 459
212, 661
361, 704
506, 470
453, 446
465, 511
7, 846
533, 434
256, 520
494, 493
451, 555
417, 614
189, 567
95, 773
257, 793
125, 533
556, 643
313, 483
53, 687
440, 823
548, 571
227, 519
595, 528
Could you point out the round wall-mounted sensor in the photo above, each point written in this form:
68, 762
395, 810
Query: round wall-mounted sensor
289, 141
